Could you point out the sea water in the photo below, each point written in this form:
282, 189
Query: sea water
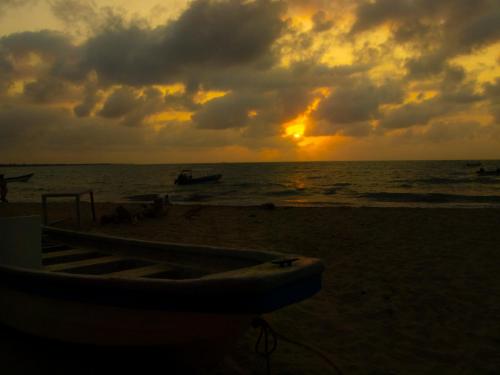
377, 183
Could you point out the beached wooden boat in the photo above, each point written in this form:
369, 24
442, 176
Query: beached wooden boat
186, 178
102, 290
23, 178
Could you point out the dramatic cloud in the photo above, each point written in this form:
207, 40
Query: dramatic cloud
290, 77
351, 106
230, 111
492, 91
233, 33
73, 12
119, 103
133, 107
246, 30
90, 100
48, 44
413, 114
46, 90
321, 22
439, 29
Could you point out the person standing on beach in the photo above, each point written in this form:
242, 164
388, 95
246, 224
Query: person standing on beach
3, 189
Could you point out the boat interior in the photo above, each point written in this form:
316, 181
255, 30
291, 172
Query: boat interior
62, 252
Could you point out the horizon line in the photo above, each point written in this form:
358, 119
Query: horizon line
28, 164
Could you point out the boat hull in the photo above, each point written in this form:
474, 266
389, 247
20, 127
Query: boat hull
199, 180
23, 178
104, 325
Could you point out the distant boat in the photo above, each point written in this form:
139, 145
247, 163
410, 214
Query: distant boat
23, 178
186, 178
483, 172
473, 164
111, 291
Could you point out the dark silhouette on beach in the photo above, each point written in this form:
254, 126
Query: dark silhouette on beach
3, 189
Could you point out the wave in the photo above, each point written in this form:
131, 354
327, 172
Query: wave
488, 180
330, 191
313, 203
430, 198
287, 192
257, 184
443, 181
245, 184
315, 177
449, 181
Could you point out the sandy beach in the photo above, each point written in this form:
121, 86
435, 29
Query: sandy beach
406, 291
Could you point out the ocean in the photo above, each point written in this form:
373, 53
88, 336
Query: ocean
370, 183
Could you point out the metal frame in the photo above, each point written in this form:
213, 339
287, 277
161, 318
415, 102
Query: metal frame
77, 196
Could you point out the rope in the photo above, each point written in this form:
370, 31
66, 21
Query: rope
266, 330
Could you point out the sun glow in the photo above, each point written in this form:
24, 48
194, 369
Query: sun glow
203, 96
296, 128
176, 88
168, 116
17, 87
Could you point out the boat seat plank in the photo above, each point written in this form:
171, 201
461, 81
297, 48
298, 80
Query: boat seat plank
141, 271
62, 253
82, 263
48, 248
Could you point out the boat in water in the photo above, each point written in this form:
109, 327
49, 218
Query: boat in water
483, 172
23, 178
186, 178
116, 292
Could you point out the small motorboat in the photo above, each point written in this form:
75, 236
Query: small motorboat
23, 178
483, 172
110, 291
186, 178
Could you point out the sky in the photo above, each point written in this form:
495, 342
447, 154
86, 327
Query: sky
148, 81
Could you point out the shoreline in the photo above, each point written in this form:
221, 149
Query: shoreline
277, 204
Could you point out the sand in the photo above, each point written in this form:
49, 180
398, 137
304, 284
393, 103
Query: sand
406, 291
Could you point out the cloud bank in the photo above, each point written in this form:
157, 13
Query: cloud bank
257, 75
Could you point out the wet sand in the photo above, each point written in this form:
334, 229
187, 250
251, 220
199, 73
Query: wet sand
406, 291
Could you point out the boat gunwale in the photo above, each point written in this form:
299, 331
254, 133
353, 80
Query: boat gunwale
191, 249
227, 295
